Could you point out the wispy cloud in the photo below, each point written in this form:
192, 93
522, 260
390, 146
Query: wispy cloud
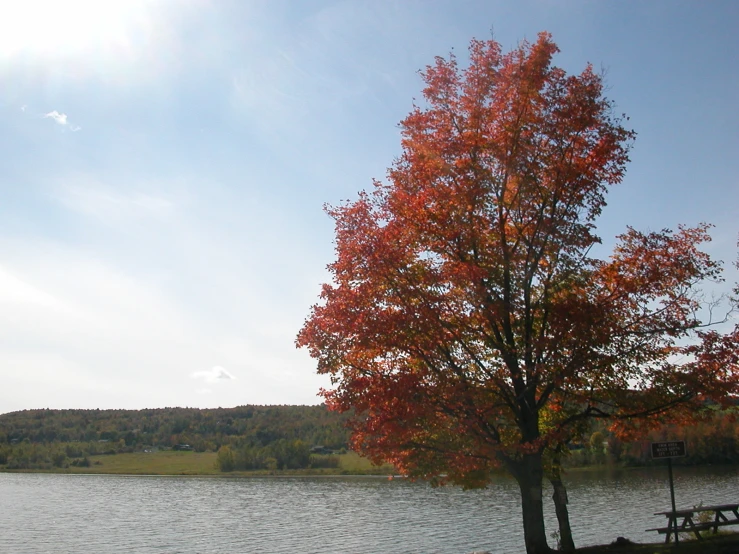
214, 375
60, 118
76, 319
16, 291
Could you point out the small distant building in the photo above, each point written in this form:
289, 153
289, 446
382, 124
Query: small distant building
182, 447
320, 450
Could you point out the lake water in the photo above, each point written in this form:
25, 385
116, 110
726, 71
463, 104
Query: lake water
79, 514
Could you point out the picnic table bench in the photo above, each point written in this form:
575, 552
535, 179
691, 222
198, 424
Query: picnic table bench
725, 514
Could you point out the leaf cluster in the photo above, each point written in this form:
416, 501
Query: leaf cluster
467, 324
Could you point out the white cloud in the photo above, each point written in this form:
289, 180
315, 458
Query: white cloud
70, 318
214, 374
16, 291
150, 292
60, 118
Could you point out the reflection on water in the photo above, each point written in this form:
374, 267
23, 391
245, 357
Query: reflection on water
105, 513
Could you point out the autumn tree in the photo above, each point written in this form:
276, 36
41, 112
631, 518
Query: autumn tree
467, 326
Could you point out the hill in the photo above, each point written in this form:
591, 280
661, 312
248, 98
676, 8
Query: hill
38, 438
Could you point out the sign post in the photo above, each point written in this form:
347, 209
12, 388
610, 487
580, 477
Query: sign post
670, 450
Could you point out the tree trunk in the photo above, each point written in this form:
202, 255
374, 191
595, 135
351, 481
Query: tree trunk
529, 473
563, 517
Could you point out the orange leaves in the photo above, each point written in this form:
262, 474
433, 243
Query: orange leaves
465, 323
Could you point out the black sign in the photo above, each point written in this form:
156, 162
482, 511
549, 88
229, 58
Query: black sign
669, 449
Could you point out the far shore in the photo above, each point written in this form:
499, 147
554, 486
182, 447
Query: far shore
203, 464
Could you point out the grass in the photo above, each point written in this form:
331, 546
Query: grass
203, 463
153, 463
352, 463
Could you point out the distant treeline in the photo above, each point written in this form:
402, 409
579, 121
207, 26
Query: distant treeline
281, 454
57, 438
288, 437
713, 441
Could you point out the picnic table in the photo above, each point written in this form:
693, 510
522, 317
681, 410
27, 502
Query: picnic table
692, 522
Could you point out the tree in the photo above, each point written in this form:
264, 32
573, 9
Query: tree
225, 460
467, 326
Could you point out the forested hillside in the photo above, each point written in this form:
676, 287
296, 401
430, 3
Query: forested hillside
266, 437
58, 436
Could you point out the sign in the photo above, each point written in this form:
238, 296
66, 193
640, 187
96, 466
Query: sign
669, 449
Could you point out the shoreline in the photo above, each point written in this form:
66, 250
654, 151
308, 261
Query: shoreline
202, 464
217, 475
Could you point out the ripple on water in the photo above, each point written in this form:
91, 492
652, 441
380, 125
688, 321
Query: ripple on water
103, 513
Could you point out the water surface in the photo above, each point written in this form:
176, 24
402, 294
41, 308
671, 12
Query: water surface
329, 515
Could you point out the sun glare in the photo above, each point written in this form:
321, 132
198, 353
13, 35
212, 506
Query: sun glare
64, 28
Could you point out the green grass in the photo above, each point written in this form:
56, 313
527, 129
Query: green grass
203, 463
352, 463
153, 463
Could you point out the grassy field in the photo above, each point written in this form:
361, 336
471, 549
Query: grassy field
352, 463
203, 463
153, 463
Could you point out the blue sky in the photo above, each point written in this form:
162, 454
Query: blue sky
163, 167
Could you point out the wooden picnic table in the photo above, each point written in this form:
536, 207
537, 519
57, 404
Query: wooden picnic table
724, 514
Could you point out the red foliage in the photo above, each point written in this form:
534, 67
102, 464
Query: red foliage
466, 324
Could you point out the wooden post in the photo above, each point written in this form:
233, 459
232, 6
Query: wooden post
672, 497
669, 450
